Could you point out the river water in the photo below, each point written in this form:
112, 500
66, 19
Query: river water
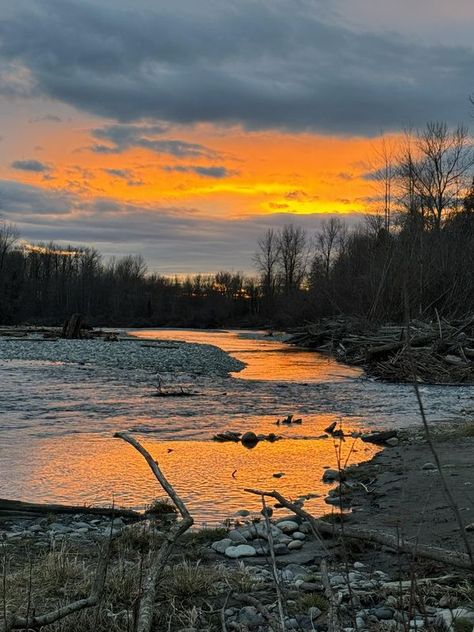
61, 402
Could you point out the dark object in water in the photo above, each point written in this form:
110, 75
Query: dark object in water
174, 394
330, 429
379, 438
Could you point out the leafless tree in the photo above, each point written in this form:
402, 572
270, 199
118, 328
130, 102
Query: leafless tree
8, 238
435, 170
266, 261
328, 242
292, 256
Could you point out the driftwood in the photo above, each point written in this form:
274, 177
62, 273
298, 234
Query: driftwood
37, 622
441, 351
10, 509
158, 557
73, 327
451, 558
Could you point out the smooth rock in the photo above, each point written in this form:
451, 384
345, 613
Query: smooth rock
288, 526
294, 545
383, 613
241, 550
297, 535
221, 545
236, 536
429, 466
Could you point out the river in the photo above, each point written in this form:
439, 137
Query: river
61, 402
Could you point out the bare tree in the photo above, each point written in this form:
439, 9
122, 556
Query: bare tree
8, 238
266, 261
328, 241
292, 256
436, 168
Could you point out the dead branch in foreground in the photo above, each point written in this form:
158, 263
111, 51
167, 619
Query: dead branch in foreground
453, 558
158, 557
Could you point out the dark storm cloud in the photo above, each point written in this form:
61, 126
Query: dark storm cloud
205, 172
263, 64
30, 165
123, 137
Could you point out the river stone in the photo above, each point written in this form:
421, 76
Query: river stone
250, 617
298, 572
241, 550
294, 545
280, 549
383, 613
393, 442
285, 539
297, 535
331, 475
236, 536
288, 526
221, 545
249, 438
314, 612
429, 466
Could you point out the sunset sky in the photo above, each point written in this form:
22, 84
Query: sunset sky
182, 130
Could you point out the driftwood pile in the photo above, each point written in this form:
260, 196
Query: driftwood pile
437, 352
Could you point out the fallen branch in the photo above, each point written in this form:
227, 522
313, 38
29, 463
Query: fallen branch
452, 558
10, 508
158, 557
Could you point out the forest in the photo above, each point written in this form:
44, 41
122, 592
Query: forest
415, 249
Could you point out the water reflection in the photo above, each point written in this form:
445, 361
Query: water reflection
101, 470
266, 358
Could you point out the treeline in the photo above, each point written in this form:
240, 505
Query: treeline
415, 253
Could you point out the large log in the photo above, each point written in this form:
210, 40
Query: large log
12, 508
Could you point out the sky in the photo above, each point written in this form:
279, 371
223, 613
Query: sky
182, 130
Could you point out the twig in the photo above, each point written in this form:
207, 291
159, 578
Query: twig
158, 557
281, 610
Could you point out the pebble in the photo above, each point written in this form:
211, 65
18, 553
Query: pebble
297, 535
429, 466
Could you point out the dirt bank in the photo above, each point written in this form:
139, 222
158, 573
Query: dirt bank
404, 489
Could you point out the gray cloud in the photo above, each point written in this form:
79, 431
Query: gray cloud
206, 172
30, 165
123, 137
263, 64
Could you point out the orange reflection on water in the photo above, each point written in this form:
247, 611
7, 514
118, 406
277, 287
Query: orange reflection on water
265, 357
88, 469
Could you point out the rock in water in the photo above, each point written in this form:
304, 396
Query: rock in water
331, 427
242, 550
249, 439
331, 475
